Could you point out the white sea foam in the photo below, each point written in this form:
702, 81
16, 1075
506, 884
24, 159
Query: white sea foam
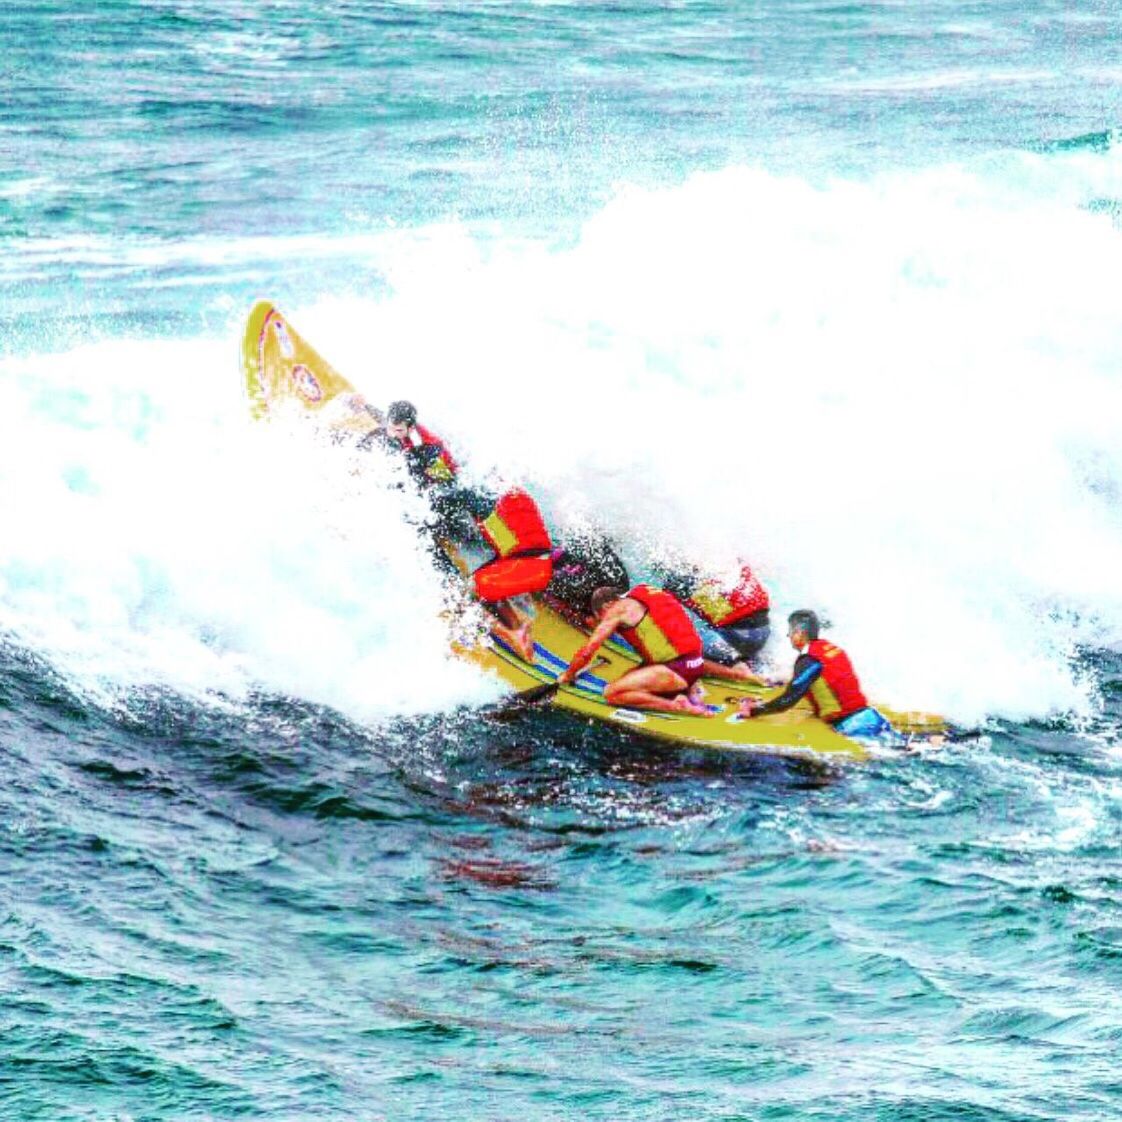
899, 397
941, 80
153, 536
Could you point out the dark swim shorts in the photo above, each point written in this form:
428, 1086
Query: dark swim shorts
746, 636
687, 668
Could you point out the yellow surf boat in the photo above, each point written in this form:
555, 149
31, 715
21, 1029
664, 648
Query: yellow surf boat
285, 376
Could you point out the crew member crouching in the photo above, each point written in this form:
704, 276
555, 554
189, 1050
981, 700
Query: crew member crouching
737, 611
658, 627
824, 675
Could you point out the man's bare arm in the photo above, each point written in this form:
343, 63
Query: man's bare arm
604, 631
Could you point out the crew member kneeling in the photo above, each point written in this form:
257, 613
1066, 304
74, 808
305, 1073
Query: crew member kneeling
737, 610
657, 626
823, 675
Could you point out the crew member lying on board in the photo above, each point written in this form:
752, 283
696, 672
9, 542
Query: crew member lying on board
653, 622
824, 675
735, 608
426, 454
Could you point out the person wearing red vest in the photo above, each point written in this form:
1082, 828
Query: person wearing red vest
824, 675
522, 563
736, 609
428, 459
654, 622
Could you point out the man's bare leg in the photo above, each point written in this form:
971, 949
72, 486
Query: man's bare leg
651, 687
738, 672
513, 629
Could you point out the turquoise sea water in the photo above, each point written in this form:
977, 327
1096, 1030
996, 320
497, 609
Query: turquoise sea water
833, 284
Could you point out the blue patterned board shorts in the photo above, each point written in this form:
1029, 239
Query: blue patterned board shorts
868, 724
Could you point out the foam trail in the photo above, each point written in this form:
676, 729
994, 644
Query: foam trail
899, 397
155, 537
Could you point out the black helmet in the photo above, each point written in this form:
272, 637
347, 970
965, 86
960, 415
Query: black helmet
805, 621
402, 413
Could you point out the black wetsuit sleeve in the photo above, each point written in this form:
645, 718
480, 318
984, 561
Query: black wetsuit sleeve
805, 672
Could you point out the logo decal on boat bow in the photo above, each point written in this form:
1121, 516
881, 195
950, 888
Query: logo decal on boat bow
306, 383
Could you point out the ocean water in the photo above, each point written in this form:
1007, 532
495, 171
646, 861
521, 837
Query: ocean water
831, 285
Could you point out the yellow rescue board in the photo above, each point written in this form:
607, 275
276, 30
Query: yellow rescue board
795, 732
283, 373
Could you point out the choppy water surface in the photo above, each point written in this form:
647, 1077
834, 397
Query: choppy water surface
273, 912
262, 855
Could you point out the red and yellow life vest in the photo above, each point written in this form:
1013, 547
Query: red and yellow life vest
836, 693
720, 606
665, 632
515, 526
442, 468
